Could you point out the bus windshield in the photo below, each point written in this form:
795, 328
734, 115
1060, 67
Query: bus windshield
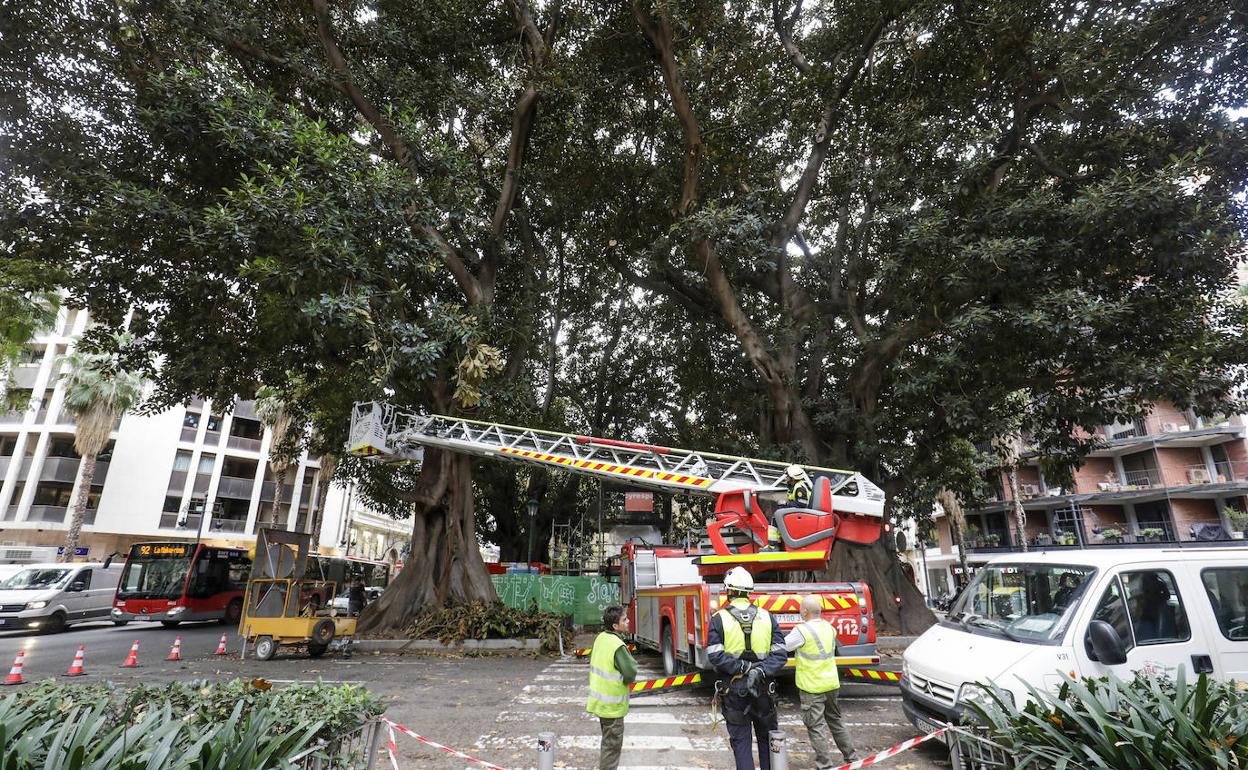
155, 571
1021, 602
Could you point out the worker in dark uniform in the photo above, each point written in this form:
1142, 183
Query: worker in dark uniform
744, 643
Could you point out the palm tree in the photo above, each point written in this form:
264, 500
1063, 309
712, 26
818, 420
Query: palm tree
328, 464
98, 391
271, 409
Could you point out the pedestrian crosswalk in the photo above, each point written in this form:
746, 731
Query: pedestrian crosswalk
673, 730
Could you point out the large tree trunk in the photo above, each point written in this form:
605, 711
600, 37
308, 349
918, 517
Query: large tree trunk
279, 487
1020, 515
881, 570
444, 564
86, 475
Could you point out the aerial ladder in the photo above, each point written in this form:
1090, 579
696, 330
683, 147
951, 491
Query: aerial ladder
845, 505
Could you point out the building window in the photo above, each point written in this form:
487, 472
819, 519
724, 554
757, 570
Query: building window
173, 504
182, 460
31, 355
8, 445
53, 493
242, 427
206, 461
190, 420
214, 423
239, 468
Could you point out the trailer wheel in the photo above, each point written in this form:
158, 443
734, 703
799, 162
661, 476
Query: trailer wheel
266, 648
671, 666
323, 632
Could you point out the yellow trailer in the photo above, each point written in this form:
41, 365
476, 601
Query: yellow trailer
274, 610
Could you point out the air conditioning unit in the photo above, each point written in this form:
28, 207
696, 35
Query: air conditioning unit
1029, 490
1197, 476
27, 554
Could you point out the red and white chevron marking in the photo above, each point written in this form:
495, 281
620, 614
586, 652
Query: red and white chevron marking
395, 726
892, 751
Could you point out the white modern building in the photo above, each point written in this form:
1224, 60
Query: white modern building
146, 479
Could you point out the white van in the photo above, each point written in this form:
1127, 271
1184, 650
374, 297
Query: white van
1040, 617
52, 596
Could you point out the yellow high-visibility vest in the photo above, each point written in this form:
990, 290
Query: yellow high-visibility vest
734, 635
608, 695
816, 659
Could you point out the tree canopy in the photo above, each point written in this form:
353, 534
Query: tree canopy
847, 232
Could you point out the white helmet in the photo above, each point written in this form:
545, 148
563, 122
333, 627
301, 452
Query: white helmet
795, 472
740, 579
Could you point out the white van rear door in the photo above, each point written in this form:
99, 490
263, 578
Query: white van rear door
1151, 609
1224, 604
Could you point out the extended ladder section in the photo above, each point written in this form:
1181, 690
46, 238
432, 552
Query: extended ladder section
387, 432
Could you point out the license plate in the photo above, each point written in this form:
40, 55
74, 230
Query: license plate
926, 727
3, 621
789, 617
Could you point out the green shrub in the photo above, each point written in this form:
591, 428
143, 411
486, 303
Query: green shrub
178, 726
1151, 722
487, 620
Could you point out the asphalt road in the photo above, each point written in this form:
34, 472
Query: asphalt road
106, 646
491, 707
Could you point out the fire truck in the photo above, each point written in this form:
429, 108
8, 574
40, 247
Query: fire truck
672, 592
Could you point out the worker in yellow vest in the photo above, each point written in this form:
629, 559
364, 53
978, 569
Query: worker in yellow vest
800, 489
818, 682
744, 643
611, 670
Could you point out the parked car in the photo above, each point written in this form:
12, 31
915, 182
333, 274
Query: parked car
1041, 618
52, 596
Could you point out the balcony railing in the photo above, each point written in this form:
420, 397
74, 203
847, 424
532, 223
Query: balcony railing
242, 442
1226, 472
1160, 426
56, 514
169, 520
227, 525
235, 487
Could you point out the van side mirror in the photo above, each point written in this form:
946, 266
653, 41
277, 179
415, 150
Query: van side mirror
76, 586
1104, 644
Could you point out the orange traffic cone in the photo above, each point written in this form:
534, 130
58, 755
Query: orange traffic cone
176, 652
221, 645
132, 660
15, 673
76, 668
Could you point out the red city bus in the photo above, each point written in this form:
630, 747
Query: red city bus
173, 582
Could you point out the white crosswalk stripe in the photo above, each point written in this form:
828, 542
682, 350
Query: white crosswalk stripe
668, 730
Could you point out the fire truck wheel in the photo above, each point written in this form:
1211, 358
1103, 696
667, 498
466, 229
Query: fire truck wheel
170, 623
671, 666
266, 648
120, 622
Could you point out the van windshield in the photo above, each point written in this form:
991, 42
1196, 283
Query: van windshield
35, 579
1022, 602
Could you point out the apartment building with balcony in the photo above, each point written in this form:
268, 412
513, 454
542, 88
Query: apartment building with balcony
1169, 477
146, 478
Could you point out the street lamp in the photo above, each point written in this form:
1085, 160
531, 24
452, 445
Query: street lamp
531, 505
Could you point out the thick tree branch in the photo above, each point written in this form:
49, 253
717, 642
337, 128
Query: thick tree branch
659, 33
346, 83
823, 134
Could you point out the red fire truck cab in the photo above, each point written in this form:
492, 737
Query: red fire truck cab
671, 593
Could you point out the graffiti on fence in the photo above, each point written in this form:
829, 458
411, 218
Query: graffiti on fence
581, 597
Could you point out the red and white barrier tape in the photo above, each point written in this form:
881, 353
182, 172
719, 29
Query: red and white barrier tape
892, 751
395, 726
